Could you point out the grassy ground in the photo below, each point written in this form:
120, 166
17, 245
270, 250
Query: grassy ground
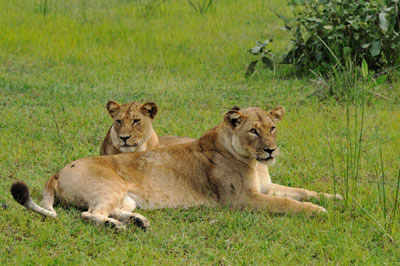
71, 57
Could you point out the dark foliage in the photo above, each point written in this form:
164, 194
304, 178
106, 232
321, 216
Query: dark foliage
326, 32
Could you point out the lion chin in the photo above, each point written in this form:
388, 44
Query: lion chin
267, 161
127, 148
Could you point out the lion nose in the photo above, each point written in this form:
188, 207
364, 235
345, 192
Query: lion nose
268, 150
124, 138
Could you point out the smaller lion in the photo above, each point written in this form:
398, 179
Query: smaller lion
132, 129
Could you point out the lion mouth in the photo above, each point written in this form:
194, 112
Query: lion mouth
269, 158
128, 146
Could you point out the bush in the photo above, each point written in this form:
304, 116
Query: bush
329, 32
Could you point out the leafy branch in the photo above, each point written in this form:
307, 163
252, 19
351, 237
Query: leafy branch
265, 56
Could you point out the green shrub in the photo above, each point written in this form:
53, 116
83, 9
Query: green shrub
326, 32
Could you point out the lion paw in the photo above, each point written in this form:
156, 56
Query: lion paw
331, 196
338, 197
114, 225
140, 221
312, 208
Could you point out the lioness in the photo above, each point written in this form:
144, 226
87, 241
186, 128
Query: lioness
132, 129
226, 166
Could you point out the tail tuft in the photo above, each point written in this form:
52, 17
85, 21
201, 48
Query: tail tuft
20, 192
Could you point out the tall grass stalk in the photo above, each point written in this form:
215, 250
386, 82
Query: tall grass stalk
58, 130
44, 6
382, 180
388, 217
345, 80
395, 205
333, 167
382, 228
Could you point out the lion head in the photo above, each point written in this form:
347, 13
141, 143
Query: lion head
253, 132
133, 124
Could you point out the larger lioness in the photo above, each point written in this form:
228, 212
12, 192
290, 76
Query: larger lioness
226, 166
132, 129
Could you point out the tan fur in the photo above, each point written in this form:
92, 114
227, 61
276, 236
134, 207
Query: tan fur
226, 166
135, 121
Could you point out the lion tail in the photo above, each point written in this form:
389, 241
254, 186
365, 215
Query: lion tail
20, 193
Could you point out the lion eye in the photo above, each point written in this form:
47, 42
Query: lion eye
119, 122
254, 131
135, 121
272, 129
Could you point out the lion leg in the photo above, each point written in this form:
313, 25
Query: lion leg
297, 193
129, 217
281, 205
128, 204
102, 207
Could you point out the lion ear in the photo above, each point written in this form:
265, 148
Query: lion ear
277, 113
112, 108
234, 118
149, 109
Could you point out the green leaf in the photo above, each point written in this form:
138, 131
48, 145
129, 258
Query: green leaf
263, 44
192, 4
256, 50
383, 23
267, 41
388, 9
375, 48
365, 45
364, 69
208, 6
268, 62
328, 27
318, 56
381, 79
314, 19
251, 68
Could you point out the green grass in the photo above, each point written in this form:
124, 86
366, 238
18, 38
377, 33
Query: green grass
81, 54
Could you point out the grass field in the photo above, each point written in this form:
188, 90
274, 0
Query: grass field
61, 61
